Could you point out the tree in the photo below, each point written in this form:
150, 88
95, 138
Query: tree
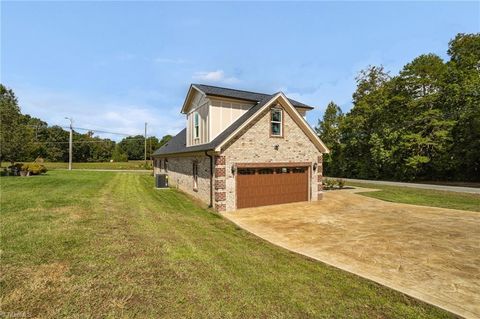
426, 128
461, 100
328, 130
164, 140
24, 138
15, 136
364, 119
423, 123
118, 155
133, 146
56, 144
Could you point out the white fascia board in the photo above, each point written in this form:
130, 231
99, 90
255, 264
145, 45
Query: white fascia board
192, 87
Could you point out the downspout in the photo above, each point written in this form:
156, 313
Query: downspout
211, 178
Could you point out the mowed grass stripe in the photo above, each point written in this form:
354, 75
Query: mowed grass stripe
110, 245
422, 197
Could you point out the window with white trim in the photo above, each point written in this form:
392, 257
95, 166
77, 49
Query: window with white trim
195, 175
276, 124
196, 125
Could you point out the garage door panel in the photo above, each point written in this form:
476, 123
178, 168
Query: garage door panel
268, 186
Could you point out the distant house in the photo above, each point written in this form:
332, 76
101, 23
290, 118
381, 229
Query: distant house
243, 149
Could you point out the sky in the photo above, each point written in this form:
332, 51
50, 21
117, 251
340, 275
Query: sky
113, 66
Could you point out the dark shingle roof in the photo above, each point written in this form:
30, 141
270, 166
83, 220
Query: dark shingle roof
178, 143
239, 94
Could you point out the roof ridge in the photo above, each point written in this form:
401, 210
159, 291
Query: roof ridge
225, 88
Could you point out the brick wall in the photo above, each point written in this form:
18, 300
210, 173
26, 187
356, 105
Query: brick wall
256, 145
220, 184
180, 174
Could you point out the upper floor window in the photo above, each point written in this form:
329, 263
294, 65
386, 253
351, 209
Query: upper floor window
196, 125
276, 124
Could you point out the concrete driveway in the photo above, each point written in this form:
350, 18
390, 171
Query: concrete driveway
432, 254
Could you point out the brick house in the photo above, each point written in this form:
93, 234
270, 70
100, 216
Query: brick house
243, 149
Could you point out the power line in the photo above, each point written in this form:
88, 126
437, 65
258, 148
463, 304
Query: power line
79, 142
82, 129
101, 131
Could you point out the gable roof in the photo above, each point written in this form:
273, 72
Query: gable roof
234, 94
178, 143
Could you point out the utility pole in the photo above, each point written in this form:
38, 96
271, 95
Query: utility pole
70, 144
145, 144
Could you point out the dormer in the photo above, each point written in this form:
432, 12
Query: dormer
210, 110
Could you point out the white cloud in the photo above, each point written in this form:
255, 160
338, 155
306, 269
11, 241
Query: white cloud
214, 76
105, 114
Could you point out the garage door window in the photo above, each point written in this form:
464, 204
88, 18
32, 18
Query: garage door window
288, 170
264, 171
298, 170
246, 171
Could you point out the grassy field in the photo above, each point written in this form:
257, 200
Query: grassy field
106, 244
423, 197
95, 165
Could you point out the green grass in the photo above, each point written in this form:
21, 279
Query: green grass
106, 244
423, 197
130, 165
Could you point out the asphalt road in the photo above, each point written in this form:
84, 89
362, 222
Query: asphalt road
458, 189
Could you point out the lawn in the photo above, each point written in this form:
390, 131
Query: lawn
130, 165
423, 197
107, 244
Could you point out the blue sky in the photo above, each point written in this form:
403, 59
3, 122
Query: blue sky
115, 65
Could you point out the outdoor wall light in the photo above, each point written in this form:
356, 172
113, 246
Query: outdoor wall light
234, 169
275, 147
315, 166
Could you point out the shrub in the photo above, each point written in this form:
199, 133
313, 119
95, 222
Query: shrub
34, 168
340, 182
15, 169
329, 183
16, 166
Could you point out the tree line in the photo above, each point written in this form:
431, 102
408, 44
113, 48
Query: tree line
422, 124
24, 138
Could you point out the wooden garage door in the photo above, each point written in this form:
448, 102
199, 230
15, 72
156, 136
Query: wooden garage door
271, 185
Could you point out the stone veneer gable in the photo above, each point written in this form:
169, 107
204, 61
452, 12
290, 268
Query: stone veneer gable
256, 145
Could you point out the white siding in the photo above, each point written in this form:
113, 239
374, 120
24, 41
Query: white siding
199, 104
224, 112
215, 115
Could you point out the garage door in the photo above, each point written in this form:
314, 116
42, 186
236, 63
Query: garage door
271, 185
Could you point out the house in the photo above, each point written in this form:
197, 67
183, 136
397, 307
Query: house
243, 149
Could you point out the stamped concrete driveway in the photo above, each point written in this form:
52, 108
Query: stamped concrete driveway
432, 254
